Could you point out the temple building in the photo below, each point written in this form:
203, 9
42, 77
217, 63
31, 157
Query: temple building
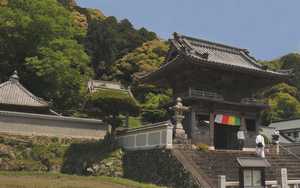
23, 113
219, 83
15, 97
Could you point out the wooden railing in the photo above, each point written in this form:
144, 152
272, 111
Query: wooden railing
201, 94
282, 183
252, 101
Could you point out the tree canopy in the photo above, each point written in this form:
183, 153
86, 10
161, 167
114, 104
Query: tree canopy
283, 98
109, 40
146, 58
39, 39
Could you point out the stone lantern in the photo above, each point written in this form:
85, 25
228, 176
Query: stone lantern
179, 109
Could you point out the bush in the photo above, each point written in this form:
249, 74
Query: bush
202, 147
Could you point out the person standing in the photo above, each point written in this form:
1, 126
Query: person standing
241, 139
275, 140
260, 145
275, 136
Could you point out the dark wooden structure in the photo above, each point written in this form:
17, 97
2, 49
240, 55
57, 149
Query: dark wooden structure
214, 79
14, 97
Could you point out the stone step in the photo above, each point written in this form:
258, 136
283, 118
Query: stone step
214, 163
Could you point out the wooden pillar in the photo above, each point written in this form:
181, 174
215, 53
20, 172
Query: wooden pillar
243, 126
257, 123
193, 123
211, 130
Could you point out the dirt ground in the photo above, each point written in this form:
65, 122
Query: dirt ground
54, 182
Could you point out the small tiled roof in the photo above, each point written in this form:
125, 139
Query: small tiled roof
247, 162
94, 85
13, 93
286, 124
220, 55
268, 131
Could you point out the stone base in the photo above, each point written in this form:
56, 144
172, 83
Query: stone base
249, 149
211, 147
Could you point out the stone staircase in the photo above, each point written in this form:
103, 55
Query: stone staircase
210, 164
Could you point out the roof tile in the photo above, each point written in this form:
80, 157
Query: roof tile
13, 93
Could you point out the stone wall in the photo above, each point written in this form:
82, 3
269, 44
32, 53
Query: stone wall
48, 125
158, 166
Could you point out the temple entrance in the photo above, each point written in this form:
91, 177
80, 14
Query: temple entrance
225, 137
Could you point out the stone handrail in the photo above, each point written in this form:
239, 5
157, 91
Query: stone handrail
283, 182
289, 152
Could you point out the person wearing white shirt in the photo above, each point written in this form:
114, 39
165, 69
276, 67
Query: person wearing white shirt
260, 145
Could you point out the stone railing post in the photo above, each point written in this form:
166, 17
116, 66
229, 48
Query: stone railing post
221, 181
283, 178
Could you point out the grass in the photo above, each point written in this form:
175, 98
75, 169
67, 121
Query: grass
57, 180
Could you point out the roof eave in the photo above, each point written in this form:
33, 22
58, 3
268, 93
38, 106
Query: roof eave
273, 74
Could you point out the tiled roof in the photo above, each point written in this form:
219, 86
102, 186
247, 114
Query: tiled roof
13, 93
94, 85
219, 54
286, 125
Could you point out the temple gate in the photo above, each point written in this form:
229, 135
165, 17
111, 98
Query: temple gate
219, 83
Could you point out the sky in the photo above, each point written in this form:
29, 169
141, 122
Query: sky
267, 28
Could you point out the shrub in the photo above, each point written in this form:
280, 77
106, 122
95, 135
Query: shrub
202, 147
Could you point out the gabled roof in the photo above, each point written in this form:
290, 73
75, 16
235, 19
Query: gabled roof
216, 54
13, 93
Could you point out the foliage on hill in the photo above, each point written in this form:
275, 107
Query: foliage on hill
283, 98
82, 16
47, 42
146, 58
39, 38
57, 45
109, 40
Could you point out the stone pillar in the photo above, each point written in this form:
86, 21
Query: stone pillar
212, 130
283, 178
221, 181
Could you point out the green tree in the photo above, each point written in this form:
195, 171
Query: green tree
282, 99
108, 40
63, 67
109, 104
146, 58
39, 38
282, 106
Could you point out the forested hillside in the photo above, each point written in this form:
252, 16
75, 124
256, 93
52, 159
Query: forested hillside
57, 46
283, 98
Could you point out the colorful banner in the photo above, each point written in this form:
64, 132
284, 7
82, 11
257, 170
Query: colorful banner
228, 120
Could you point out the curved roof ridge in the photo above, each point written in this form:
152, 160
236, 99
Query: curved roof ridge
251, 59
41, 100
12, 92
214, 43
